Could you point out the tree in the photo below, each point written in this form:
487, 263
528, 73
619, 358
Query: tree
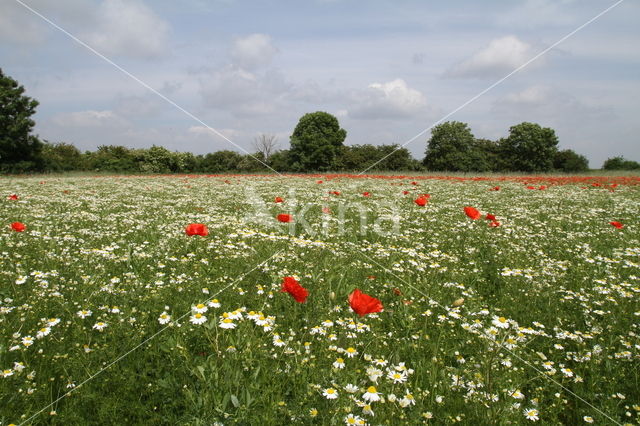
452, 147
530, 148
266, 145
112, 158
620, 163
569, 161
19, 150
221, 161
280, 161
316, 141
61, 157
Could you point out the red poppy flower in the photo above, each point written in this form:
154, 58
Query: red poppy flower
293, 287
414, 183
489, 216
12, 197
334, 192
197, 229
285, 218
531, 187
279, 200
542, 187
494, 224
366, 194
421, 201
617, 224
495, 188
405, 192
397, 292
18, 226
319, 181
472, 213
326, 210
363, 304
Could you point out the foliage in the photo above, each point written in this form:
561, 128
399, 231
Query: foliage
569, 161
620, 163
452, 147
220, 161
316, 142
62, 157
381, 157
19, 150
530, 148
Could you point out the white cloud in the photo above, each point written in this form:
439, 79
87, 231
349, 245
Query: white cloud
242, 92
393, 99
501, 56
550, 104
129, 28
253, 51
90, 118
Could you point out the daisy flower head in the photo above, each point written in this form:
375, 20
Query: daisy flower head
43, 332
500, 322
350, 419
84, 313
100, 326
197, 318
199, 308
227, 323
350, 388
339, 363
164, 318
371, 395
351, 352
330, 393
531, 414
53, 321
215, 303
397, 377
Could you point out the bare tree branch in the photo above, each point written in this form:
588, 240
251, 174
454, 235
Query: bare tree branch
266, 144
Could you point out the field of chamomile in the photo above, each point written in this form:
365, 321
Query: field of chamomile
334, 299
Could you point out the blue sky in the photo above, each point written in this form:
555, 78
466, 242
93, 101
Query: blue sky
387, 69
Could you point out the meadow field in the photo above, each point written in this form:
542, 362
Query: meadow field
111, 313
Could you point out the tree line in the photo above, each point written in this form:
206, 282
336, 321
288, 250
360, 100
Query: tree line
316, 144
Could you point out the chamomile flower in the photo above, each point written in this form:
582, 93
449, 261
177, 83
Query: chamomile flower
27, 341
350, 388
84, 313
100, 326
330, 393
531, 414
371, 395
198, 318
227, 323
351, 352
6, 373
500, 322
164, 318
43, 332
215, 303
53, 321
339, 363
588, 419
407, 400
199, 308
397, 377
350, 419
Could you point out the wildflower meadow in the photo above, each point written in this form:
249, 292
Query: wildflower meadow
319, 299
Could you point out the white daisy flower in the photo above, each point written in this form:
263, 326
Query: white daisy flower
197, 318
371, 395
164, 318
330, 393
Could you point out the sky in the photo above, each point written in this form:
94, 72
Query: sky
388, 70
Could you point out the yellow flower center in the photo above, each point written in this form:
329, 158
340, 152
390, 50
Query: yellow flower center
371, 389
